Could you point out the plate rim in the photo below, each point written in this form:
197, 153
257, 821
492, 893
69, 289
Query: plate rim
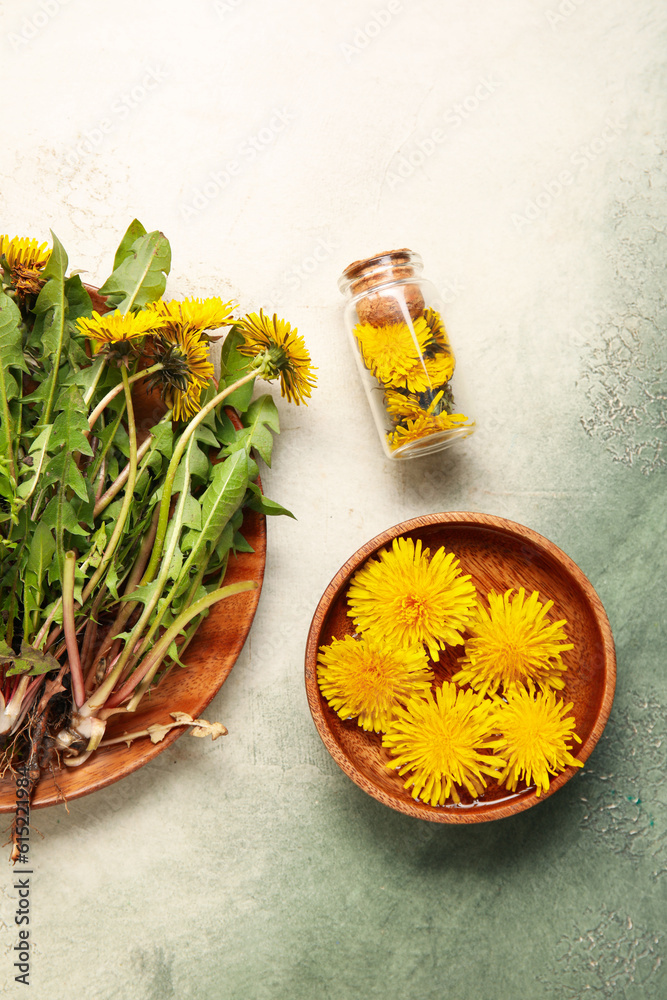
458, 814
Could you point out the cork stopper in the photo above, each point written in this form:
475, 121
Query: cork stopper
395, 269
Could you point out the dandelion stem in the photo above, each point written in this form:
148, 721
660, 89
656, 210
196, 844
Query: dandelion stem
144, 674
118, 389
121, 479
7, 421
173, 466
133, 646
127, 499
128, 607
76, 673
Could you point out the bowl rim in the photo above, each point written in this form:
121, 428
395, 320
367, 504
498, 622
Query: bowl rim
499, 808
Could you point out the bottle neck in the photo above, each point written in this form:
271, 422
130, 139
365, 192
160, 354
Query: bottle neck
392, 267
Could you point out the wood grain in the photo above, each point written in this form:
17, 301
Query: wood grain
498, 554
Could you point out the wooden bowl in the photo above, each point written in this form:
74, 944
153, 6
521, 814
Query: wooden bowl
498, 554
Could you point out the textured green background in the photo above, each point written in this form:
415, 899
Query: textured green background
252, 868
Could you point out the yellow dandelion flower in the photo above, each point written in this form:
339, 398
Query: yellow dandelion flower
405, 597
535, 737
183, 353
425, 425
438, 341
437, 741
514, 642
282, 351
403, 407
200, 314
392, 351
26, 259
427, 373
116, 327
408, 406
439, 369
184, 404
368, 679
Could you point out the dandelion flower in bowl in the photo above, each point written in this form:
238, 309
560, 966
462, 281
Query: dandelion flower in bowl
437, 740
406, 596
364, 678
535, 737
513, 643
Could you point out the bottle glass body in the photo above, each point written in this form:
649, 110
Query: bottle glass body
406, 362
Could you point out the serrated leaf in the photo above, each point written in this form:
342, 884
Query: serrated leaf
71, 424
163, 439
263, 505
76, 356
85, 377
141, 276
206, 436
11, 349
11, 356
234, 366
176, 564
260, 419
225, 430
144, 594
134, 231
199, 467
218, 502
60, 515
40, 556
30, 661
240, 544
78, 299
63, 469
192, 513
51, 304
225, 542
172, 652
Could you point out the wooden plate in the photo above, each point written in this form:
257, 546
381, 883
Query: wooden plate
498, 554
209, 659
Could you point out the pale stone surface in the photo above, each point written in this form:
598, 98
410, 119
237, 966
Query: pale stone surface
274, 144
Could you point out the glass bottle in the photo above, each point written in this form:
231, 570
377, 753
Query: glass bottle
406, 362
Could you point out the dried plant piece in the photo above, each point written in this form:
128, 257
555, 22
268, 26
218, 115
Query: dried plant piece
203, 728
379, 309
158, 730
